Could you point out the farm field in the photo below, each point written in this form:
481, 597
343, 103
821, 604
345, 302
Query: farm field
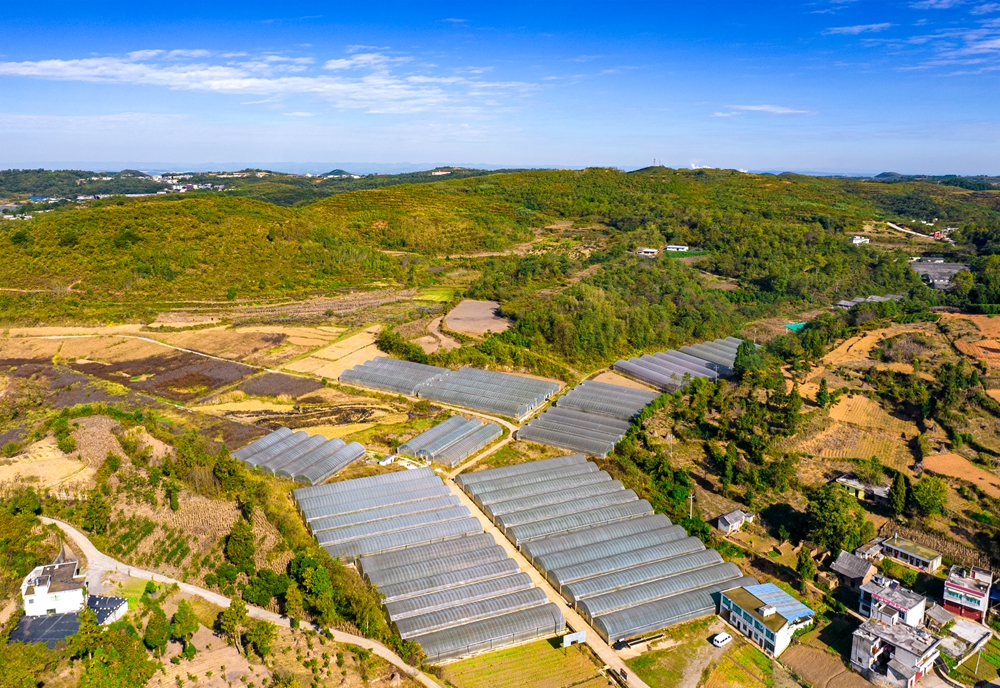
843, 441
540, 664
742, 667
989, 667
957, 466
862, 411
986, 351
620, 380
476, 318
680, 659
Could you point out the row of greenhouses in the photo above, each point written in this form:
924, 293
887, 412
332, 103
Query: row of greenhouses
445, 583
299, 456
451, 441
671, 370
505, 394
626, 570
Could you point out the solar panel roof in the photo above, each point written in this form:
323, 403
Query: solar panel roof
48, 629
785, 604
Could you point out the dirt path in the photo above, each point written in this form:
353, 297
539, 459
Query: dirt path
447, 343
99, 563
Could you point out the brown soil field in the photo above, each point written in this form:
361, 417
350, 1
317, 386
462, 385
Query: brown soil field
821, 669
339, 349
476, 318
987, 351
988, 325
332, 370
862, 411
611, 378
843, 441
175, 375
957, 466
857, 349
278, 384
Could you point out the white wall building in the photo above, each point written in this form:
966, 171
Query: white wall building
54, 589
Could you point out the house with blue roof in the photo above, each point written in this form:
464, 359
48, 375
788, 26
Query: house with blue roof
766, 614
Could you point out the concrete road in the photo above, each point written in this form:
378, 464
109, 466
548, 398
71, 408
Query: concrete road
99, 564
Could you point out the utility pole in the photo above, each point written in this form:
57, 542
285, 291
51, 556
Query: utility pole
691, 514
670, 438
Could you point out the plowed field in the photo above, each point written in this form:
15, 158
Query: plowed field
987, 351
958, 466
862, 411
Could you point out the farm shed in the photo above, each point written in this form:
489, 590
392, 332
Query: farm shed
304, 458
599, 545
441, 577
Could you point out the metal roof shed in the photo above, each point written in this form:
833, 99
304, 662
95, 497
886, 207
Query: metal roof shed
492, 633
598, 550
391, 560
453, 597
468, 613
611, 531
584, 519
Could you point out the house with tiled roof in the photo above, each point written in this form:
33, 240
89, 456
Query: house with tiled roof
852, 571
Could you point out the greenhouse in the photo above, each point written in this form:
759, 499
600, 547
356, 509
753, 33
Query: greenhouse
469, 445
438, 573
569, 428
671, 370
415, 444
452, 441
613, 401
392, 375
308, 459
599, 545
509, 395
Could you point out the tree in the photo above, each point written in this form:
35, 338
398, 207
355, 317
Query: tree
88, 637
805, 566
240, 546
748, 359
783, 533
293, 602
823, 395
232, 621
157, 631
836, 520
929, 495
184, 624
97, 513
261, 636
897, 494
871, 471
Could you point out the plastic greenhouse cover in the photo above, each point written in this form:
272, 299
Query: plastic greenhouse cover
608, 409
362, 483
655, 590
653, 616
445, 441
389, 383
291, 454
543, 386
396, 490
611, 531
556, 497
676, 364
647, 376
559, 483
624, 560
459, 451
468, 613
443, 390
670, 369
601, 421
426, 569
466, 479
275, 449
727, 353
472, 401
261, 443
492, 633
594, 389
421, 604
714, 368
726, 345
287, 468
451, 579
412, 555
574, 429
565, 440
406, 366
327, 466
411, 446
602, 549
405, 538
502, 388
545, 513
506, 482
707, 354
584, 519
323, 510
365, 530
616, 580
357, 518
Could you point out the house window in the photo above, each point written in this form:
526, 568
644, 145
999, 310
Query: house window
725, 602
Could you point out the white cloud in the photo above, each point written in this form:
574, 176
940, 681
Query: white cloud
178, 54
856, 29
369, 85
986, 9
936, 4
454, 20
771, 109
299, 114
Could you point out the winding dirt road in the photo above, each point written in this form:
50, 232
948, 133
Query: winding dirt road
99, 563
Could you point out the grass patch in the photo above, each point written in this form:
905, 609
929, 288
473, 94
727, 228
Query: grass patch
665, 668
742, 667
438, 294
546, 663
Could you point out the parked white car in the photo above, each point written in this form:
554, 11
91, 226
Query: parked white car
722, 639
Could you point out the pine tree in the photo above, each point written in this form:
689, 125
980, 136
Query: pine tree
232, 621
261, 635
897, 494
805, 566
185, 623
89, 635
240, 546
157, 631
823, 395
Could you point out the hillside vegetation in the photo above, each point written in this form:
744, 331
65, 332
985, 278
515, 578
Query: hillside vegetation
778, 238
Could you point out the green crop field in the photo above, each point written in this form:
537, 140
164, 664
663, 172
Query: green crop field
546, 663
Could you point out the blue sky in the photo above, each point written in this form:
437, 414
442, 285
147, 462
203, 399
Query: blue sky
821, 85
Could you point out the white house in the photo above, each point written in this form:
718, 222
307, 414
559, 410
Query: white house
765, 614
896, 655
885, 600
858, 240
647, 252
677, 248
732, 522
54, 589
